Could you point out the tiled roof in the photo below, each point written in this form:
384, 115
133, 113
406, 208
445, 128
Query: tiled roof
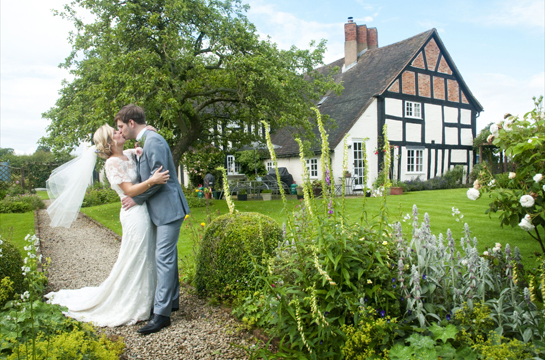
372, 75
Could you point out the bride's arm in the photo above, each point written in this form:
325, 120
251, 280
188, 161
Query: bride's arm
136, 189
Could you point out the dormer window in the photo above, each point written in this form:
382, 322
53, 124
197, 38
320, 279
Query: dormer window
413, 110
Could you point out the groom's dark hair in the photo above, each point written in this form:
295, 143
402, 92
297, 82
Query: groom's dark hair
133, 112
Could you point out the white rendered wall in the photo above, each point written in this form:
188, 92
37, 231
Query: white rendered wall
465, 117
414, 132
394, 107
451, 114
432, 163
451, 136
395, 130
434, 123
458, 156
293, 165
439, 161
467, 137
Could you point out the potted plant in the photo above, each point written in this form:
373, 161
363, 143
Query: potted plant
241, 195
317, 188
266, 194
207, 193
347, 174
396, 189
299, 192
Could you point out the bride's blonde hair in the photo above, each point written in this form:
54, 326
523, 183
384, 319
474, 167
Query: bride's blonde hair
103, 139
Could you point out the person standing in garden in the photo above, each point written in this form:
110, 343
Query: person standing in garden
167, 207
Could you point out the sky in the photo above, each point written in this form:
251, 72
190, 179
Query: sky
497, 45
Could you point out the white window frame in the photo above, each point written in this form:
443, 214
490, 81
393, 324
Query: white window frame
232, 166
312, 167
413, 110
270, 165
415, 161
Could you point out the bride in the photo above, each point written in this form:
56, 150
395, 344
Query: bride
126, 296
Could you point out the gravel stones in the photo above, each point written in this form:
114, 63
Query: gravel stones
83, 256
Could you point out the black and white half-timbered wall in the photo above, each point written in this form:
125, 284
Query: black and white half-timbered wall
412, 86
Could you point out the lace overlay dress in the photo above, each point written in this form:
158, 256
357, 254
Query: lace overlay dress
126, 296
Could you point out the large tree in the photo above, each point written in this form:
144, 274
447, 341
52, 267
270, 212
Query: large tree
197, 67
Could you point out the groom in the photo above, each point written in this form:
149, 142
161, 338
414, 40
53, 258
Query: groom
167, 208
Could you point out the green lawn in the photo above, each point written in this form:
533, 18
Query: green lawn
42, 194
15, 227
438, 204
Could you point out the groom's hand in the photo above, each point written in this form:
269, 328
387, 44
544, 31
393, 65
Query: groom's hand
128, 203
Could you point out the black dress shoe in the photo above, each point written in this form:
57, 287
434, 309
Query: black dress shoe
156, 323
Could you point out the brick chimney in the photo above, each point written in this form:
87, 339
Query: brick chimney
362, 38
372, 38
350, 44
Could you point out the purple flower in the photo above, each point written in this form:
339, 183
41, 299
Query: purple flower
394, 280
394, 286
382, 313
402, 298
424, 276
327, 179
448, 317
326, 313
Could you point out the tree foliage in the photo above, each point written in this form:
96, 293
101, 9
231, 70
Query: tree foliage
197, 67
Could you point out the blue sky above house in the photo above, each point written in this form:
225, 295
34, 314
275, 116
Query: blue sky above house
498, 47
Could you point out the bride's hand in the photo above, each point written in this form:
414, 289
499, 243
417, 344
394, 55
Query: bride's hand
151, 128
159, 177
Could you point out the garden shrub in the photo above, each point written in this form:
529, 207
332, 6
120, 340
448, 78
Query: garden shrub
81, 342
11, 263
99, 194
21, 203
371, 338
224, 262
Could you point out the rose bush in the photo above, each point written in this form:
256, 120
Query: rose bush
520, 201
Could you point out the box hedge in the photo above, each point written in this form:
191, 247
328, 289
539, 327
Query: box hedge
224, 266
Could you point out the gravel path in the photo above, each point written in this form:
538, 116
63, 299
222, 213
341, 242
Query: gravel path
83, 256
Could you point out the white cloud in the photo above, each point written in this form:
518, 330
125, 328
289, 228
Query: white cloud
286, 29
500, 94
525, 13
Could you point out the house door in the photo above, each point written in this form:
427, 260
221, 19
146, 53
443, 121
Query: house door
358, 165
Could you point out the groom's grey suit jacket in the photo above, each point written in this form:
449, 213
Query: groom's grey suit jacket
166, 203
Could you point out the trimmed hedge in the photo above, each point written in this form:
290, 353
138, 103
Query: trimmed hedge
21, 203
11, 263
224, 266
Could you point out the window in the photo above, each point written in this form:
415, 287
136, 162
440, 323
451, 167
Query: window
415, 160
232, 166
312, 166
412, 110
270, 165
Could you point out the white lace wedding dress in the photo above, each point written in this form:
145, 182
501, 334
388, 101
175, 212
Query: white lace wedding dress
126, 296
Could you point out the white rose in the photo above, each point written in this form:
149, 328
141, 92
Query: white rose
512, 175
543, 187
473, 194
527, 201
538, 177
476, 184
496, 249
492, 183
486, 253
494, 130
507, 125
498, 245
526, 224
490, 139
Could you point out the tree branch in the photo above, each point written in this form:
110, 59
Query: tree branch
212, 101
